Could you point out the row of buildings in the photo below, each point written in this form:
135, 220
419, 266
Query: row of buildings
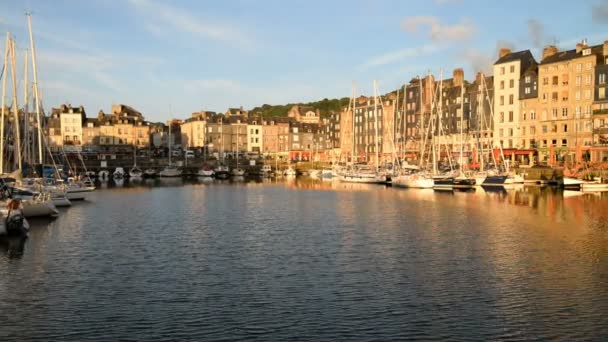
548, 110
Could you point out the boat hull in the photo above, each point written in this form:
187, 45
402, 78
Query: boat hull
443, 184
494, 181
39, 209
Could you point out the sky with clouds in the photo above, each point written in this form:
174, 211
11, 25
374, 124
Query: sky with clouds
186, 56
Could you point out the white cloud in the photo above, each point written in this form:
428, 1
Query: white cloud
400, 55
438, 31
164, 15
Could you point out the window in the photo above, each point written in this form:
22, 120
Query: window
565, 112
532, 115
579, 67
544, 128
532, 130
602, 78
555, 80
527, 79
527, 90
577, 112
554, 113
510, 132
502, 117
588, 66
565, 128
511, 99
554, 96
588, 79
601, 93
577, 95
564, 142
523, 116
502, 84
545, 81
523, 131
502, 100
500, 132
511, 116
544, 97
511, 83
588, 94
502, 70
512, 69
578, 80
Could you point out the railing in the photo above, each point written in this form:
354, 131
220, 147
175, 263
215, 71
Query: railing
600, 111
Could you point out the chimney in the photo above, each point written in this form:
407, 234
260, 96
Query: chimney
503, 52
579, 47
458, 77
549, 51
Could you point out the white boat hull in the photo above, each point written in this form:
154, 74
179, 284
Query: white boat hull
594, 187
413, 181
170, 173
370, 179
61, 201
33, 208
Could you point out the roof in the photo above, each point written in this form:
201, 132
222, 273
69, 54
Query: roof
570, 54
515, 56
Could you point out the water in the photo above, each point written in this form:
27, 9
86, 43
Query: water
316, 261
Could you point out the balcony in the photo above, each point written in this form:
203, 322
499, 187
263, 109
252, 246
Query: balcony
600, 130
600, 111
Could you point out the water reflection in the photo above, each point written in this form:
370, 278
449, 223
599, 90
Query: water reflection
282, 258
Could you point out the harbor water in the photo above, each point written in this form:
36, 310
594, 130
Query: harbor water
309, 260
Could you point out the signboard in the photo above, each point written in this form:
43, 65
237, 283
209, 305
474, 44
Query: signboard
104, 163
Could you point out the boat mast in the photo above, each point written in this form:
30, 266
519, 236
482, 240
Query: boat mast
16, 139
395, 128
376, 125
36, 98
403, 136
492, 116
461, 124
4, 76
26, 115
237, 145
421, 126
354, 108
481, 113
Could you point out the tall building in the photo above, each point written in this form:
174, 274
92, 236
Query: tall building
566, 90
508, 71
193, 131
599, 151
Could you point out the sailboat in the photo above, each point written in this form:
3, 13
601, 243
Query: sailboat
170, 170
462, 181
441, 182
221, 171
364, 174
413, 176
135, 172
237, 171
34, 204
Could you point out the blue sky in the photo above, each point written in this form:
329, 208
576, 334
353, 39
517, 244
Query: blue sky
193, 55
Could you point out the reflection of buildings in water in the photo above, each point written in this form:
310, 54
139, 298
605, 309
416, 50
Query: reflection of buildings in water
13, 247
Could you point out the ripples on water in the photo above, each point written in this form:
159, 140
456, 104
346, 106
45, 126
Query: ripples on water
304, 260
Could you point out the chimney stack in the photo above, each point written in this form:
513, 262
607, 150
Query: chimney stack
549, 51
458, 77
579, 47
503, 52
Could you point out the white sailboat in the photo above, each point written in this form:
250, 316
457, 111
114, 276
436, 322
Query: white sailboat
364, 174
170, 170
135, 172
237, 171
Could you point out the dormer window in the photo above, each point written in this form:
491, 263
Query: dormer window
586, 52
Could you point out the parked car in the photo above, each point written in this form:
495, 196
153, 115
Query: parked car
189, 154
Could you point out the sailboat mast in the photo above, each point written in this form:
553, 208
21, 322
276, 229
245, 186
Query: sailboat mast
421, 128
461, 124
17, 138
403, 136
376, 124
480, 125
36, 98
170, 152
6, 50
354, 109
26, 114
